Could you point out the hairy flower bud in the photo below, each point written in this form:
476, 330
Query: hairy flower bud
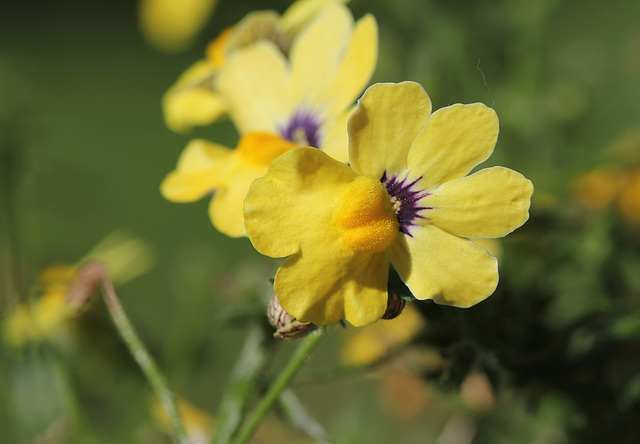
287, 327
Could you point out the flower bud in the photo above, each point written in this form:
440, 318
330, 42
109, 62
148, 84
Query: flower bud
395, 305
287, 327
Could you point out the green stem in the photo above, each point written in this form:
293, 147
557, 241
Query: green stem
92, 275
283, 380
242, 385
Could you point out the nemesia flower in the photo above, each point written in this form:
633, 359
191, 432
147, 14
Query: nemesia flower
307, 98
405, 200
204, 167
47, 316
194, 100
277, 107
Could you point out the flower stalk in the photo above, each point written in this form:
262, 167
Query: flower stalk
93, 276
279, 385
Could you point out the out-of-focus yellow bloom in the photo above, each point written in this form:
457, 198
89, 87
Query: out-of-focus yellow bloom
46, 316
198, 424
597, 188
376, 341
308, 97
629, 201
206, 168
405, 200
171, 25
194, 99
278, 104
607, 186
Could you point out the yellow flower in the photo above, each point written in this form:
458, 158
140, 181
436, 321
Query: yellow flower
171, 25
47, 315
204, 167
376, 341
199, 424
307, 98
629, 200
405, 200
277, 106
194, 100
597, 188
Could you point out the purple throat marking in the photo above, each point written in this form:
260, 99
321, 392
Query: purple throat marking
406, 201
303, 128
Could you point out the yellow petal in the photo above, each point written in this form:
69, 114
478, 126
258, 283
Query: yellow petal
254, 26
225, 209
294, 202
216, 50
191, 100
194, 107
170, 25
300, 12
325, 283
256, 84
196, 172
455, 139
490, 203
388, 119
449, 269
336, 139
357, 66
316, 51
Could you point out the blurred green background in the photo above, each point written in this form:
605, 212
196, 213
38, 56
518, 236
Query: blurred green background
84, 149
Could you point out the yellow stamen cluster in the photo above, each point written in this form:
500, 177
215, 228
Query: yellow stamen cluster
364, 216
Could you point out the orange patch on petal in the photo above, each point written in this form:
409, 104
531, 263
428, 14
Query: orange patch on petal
363, 216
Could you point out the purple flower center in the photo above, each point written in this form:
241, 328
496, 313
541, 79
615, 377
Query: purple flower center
303, 128
406, 200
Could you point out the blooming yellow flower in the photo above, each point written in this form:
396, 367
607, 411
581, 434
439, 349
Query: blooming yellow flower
204, 167
194, 100
171, 25
307, 98
405, 200
278, 106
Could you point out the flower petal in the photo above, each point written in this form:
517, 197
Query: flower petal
449, 269
196, 173
388, 119
194, 107
357, 66
316, 52
300, 12
335, 141
326, 282
256, 85
455, 139
294, 201
191, 100
490, 203
226, 207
